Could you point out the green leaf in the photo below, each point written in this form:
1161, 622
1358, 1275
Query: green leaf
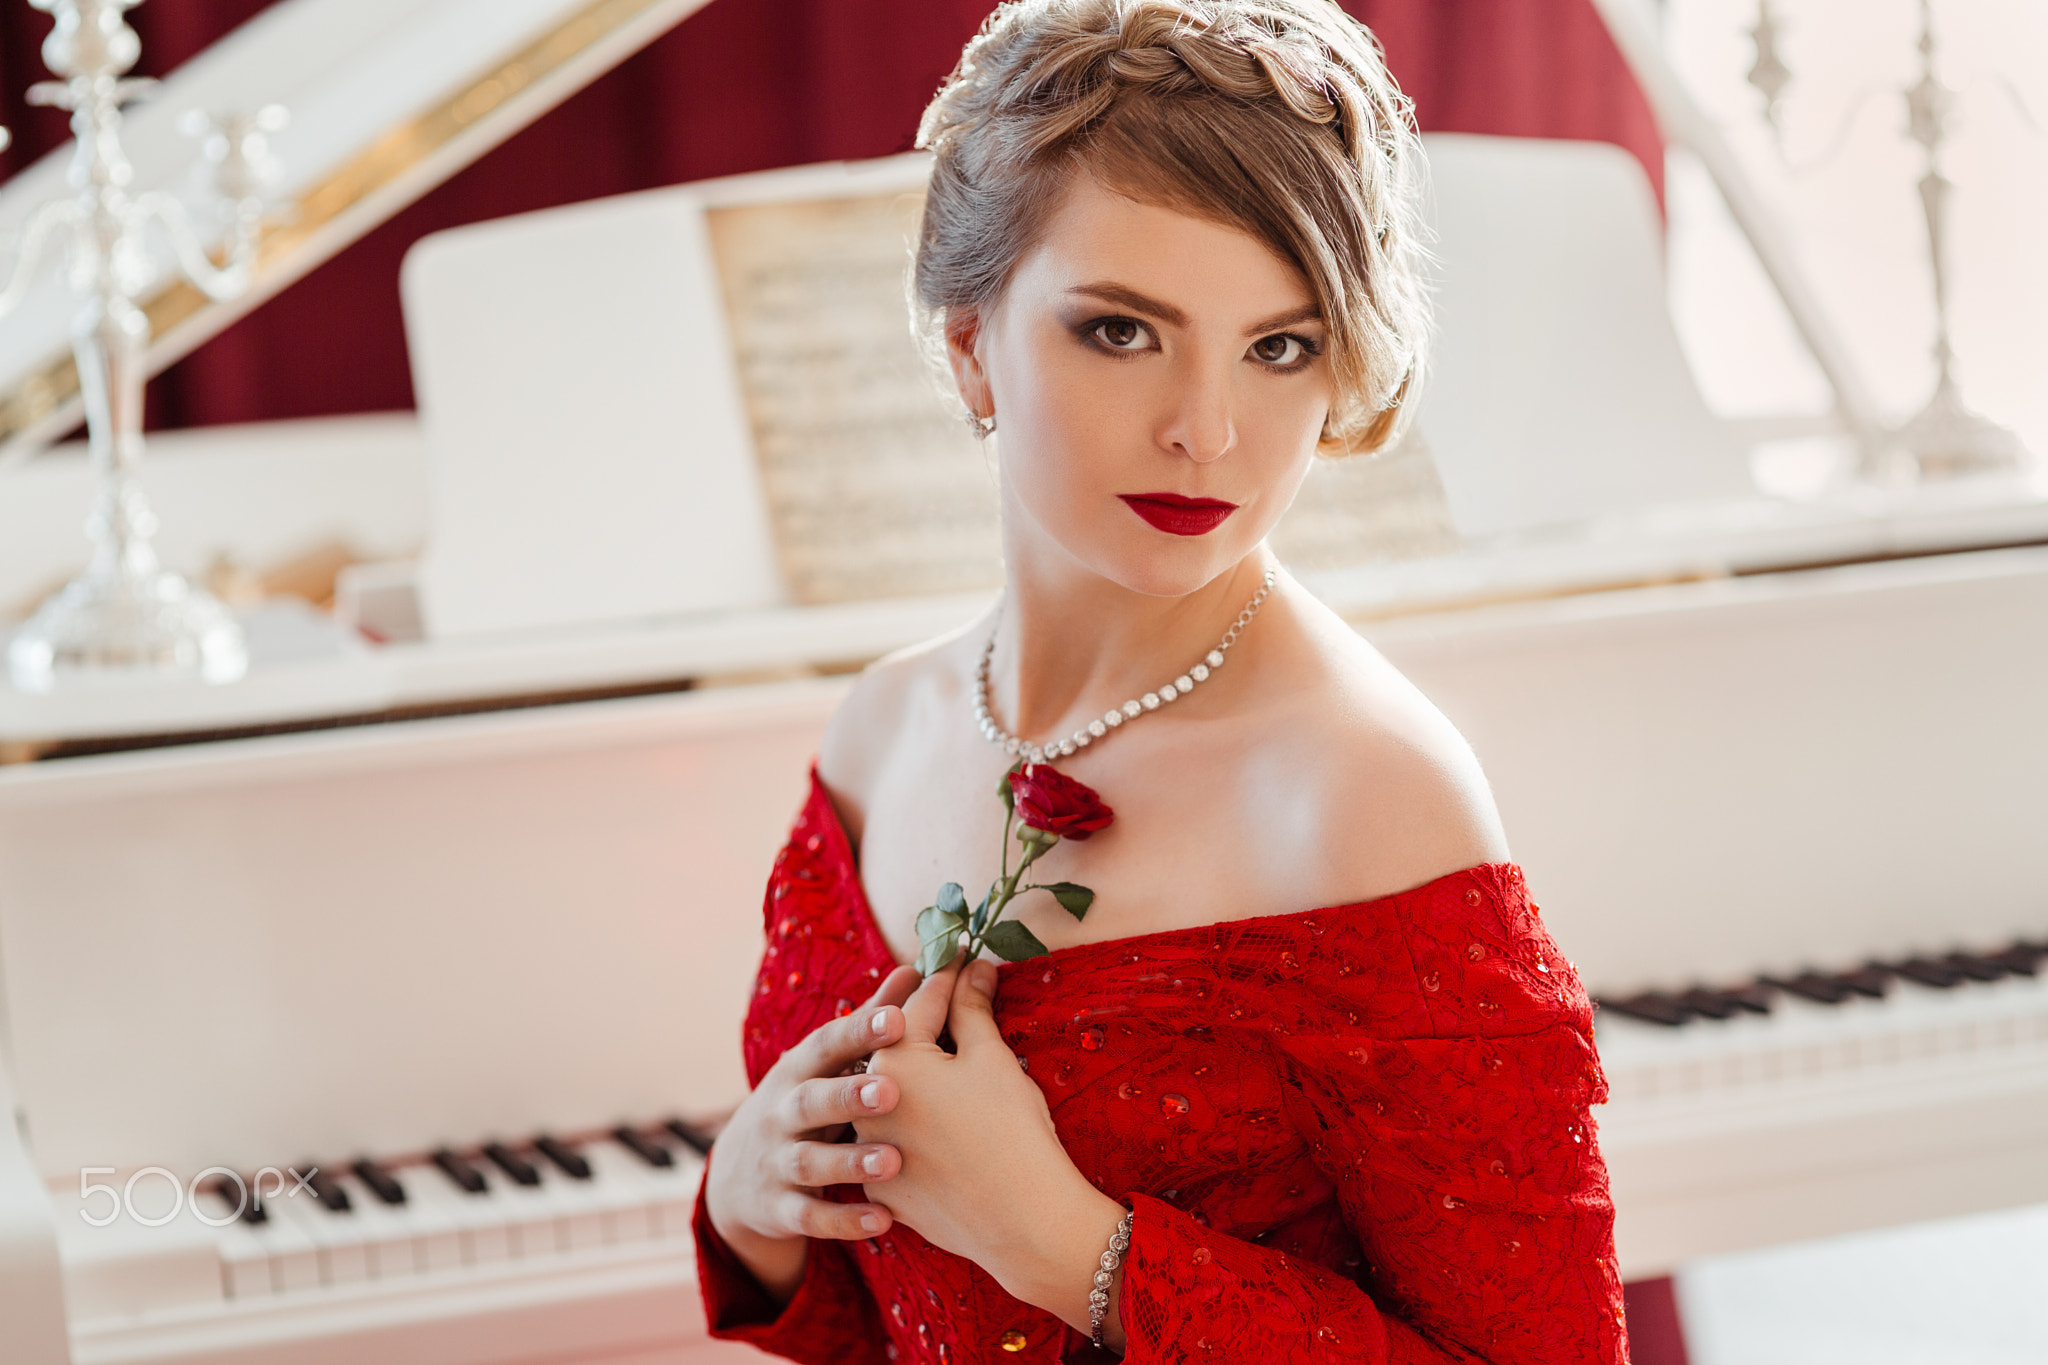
938, 935
1012, 942
934, 958
1073, 899
933, 955
933, 921
952, 900
980, 915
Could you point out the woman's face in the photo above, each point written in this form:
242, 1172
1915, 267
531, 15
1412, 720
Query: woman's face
1159, 383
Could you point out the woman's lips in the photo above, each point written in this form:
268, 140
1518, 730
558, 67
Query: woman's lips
1178, 515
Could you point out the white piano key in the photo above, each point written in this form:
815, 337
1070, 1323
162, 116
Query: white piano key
244, 1263
337, 1238
390, 1236
441, 1238
588, 1205
294, 1260
530, 1213
271, 1257
676, 1192
621, 1188
582, 1207
581, 1219
244, 1256
477, 1219
662, 1198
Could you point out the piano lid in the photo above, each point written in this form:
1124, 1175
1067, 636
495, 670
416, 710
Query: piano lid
388, 98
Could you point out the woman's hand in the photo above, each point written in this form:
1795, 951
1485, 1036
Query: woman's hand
983, 1174
786, 1142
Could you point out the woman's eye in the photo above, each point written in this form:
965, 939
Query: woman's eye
1121, 334
1280, 350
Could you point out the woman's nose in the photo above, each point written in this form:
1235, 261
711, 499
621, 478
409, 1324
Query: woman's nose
1203, 427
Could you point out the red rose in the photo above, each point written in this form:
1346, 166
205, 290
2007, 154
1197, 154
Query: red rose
1050, 800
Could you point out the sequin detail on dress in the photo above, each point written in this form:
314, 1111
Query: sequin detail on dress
1314, 1116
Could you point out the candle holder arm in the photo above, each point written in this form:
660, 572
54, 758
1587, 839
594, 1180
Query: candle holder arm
34, 242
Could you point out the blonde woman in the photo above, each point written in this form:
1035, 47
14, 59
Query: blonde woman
1280, 1064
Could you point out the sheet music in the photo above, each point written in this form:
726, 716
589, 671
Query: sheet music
875, 490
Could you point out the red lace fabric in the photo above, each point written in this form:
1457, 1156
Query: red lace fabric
1357, 1133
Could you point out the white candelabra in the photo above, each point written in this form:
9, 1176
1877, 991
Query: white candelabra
1946, 437
125, 617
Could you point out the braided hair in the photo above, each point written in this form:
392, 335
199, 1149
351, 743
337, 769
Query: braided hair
1276, 117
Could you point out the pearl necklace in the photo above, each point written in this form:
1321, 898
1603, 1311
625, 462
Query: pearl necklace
1111, 719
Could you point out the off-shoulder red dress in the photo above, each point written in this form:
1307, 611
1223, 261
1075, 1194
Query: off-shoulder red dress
1357, 1133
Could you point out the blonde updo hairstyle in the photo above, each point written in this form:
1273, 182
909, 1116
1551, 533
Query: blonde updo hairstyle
1275, 117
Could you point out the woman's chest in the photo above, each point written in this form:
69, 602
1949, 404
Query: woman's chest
1183, 850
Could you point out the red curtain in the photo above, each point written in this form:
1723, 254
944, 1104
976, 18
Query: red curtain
748, 85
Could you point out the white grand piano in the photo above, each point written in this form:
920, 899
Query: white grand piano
465, 919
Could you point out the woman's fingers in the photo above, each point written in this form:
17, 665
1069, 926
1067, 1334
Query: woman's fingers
896, 987
972, 1019
924, 1014
818, 1164
833, 1047
817, 1104
810, 1217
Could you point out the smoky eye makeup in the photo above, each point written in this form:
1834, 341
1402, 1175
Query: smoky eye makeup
1117, 335
1285, 352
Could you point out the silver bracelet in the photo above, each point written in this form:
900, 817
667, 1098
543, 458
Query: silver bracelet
1098, 1297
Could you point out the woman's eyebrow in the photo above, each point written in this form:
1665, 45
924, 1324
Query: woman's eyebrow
1126, 297
1308, 312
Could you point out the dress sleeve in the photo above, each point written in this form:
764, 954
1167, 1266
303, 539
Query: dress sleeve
1447, 1105
830, 1320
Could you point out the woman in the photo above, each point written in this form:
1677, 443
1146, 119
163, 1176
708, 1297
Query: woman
1170, 251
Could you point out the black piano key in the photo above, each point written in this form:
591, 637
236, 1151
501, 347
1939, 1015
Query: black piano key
1976, 967
240, 1197
461, 1172
1755, 997
1652, 1006
2022, 959
1825, 990
1713, 1004
642, 1146
691, 1137
511, 1163
379, 1181
332, 1197
1873, 980
566, 1158
1928, 972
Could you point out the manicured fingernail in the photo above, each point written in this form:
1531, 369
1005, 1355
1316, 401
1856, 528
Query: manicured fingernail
872, 1163
871, 1222
879, 1025
871, 1094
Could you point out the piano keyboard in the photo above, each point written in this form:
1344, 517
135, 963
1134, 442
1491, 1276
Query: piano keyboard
1871, 981
523, 1215
1824, 1102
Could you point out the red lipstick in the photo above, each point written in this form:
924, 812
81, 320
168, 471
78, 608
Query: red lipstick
1178, 515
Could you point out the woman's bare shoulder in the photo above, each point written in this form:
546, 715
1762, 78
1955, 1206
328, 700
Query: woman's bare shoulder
885, 698
1401, 796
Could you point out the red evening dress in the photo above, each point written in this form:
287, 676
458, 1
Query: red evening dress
1357, 1133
